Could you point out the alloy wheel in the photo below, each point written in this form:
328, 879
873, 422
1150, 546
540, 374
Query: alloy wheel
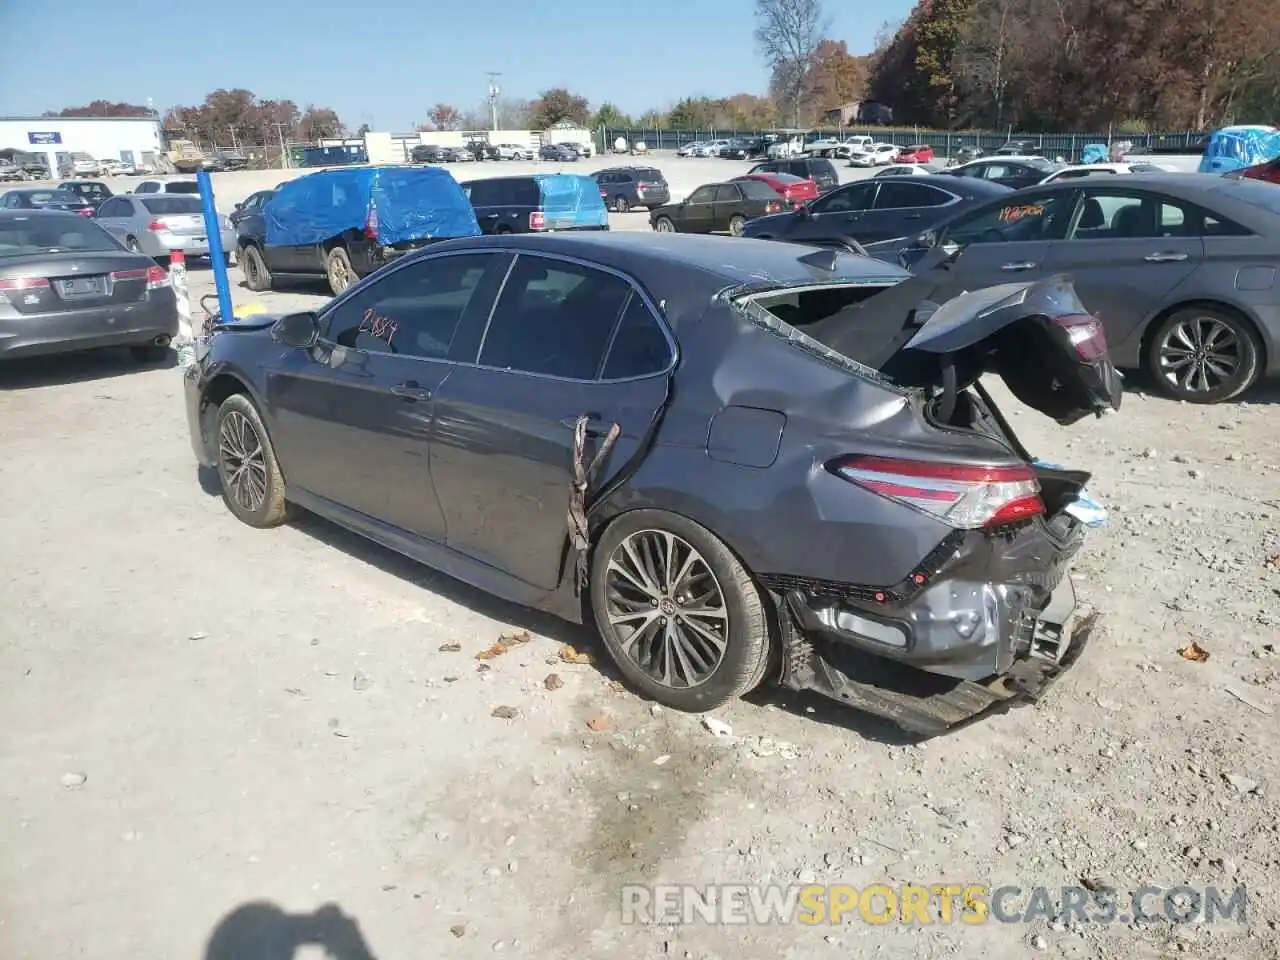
1200, 354
339, 276
664, 226
242, 461
666, 608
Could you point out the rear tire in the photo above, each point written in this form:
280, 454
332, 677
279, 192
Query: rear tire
254, 266
737, 223
252, 484
339, 270
1204, 355
620, 205
696, 645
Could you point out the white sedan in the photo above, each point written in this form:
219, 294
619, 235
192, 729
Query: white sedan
874, 155
910, 170
1094, 169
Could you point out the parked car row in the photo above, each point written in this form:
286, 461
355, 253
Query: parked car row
483, 150
343, 225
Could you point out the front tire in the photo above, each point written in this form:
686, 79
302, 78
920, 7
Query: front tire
664, 225
1204, 355
252, 484
678, 612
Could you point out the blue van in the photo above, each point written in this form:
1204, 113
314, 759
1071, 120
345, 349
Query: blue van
537, 203
344, 224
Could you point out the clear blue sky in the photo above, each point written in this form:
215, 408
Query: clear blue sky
385, 62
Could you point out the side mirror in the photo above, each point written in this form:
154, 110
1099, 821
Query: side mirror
301, 330
240, 206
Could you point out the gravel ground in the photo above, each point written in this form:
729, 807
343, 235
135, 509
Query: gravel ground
200, 718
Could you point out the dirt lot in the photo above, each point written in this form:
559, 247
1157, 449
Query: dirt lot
198, 716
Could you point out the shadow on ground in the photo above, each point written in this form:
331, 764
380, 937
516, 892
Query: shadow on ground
263, 931
1141, 382
33, 372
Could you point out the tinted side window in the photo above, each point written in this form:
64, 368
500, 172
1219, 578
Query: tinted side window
147, 187
639, 347
846, 199
480, 193
1180, 219
703, 195
114, 208
896, 195
553, 318
727, 193
413, 311
1032, 218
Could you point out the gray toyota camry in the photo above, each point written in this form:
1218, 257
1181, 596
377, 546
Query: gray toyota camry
745, 461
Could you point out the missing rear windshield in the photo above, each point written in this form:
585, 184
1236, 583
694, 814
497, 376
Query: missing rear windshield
796, 313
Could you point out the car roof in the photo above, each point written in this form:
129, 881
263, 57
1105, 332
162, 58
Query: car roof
730, 261
945, 181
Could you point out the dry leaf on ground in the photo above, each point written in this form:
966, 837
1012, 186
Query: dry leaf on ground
505, 713
505, 643
570, 654
553, 681
1194, 652
599, 723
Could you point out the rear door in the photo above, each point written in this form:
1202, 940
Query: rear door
902, 209
566, 340
728, 204
352, 425
1127, 251
114, 217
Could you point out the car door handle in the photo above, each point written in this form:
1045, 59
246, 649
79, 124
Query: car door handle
1021, 265
1168, 256
593, 421
912, 216
409, 390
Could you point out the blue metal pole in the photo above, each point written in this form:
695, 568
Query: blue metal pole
213, 230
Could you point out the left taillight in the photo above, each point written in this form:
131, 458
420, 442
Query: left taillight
155, 276
962, 496
21, 285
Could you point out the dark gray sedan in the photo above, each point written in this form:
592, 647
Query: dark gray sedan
66, 285
877, 210
1183, 269
746, 461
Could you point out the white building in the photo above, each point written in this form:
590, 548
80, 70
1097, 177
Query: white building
55, 139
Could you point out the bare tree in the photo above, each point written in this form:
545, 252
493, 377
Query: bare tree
788, 33
983, 65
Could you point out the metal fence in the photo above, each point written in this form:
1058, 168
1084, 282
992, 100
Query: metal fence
1067, 145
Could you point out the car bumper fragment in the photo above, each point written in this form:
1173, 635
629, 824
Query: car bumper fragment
980, 628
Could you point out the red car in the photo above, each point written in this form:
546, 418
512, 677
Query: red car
1268, 170
796, 190
917, 153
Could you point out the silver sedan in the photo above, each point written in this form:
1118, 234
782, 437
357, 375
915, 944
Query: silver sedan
159, 224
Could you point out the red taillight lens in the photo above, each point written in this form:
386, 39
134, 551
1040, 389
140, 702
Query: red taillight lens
23, 283
371, 225
603, 193
154, 276
962, 496
157, 226
86, 212
1086, 335
772, 206
537, 220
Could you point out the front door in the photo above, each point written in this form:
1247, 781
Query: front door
697, 214
503, 452
1006, 241
355, 420
1126, 251
902, 209
839, 213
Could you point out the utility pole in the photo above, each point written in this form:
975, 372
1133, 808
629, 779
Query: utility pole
284, 154
494, 91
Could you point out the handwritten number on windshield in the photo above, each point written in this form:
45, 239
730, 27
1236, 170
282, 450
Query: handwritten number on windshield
379, 327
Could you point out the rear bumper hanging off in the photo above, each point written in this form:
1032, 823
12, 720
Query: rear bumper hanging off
1027, 654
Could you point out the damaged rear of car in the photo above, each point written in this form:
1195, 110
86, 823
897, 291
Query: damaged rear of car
914, 551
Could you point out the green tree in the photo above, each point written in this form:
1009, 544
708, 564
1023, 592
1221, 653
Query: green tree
557, 105
611, 117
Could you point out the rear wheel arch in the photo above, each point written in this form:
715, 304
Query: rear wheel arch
1152, 325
